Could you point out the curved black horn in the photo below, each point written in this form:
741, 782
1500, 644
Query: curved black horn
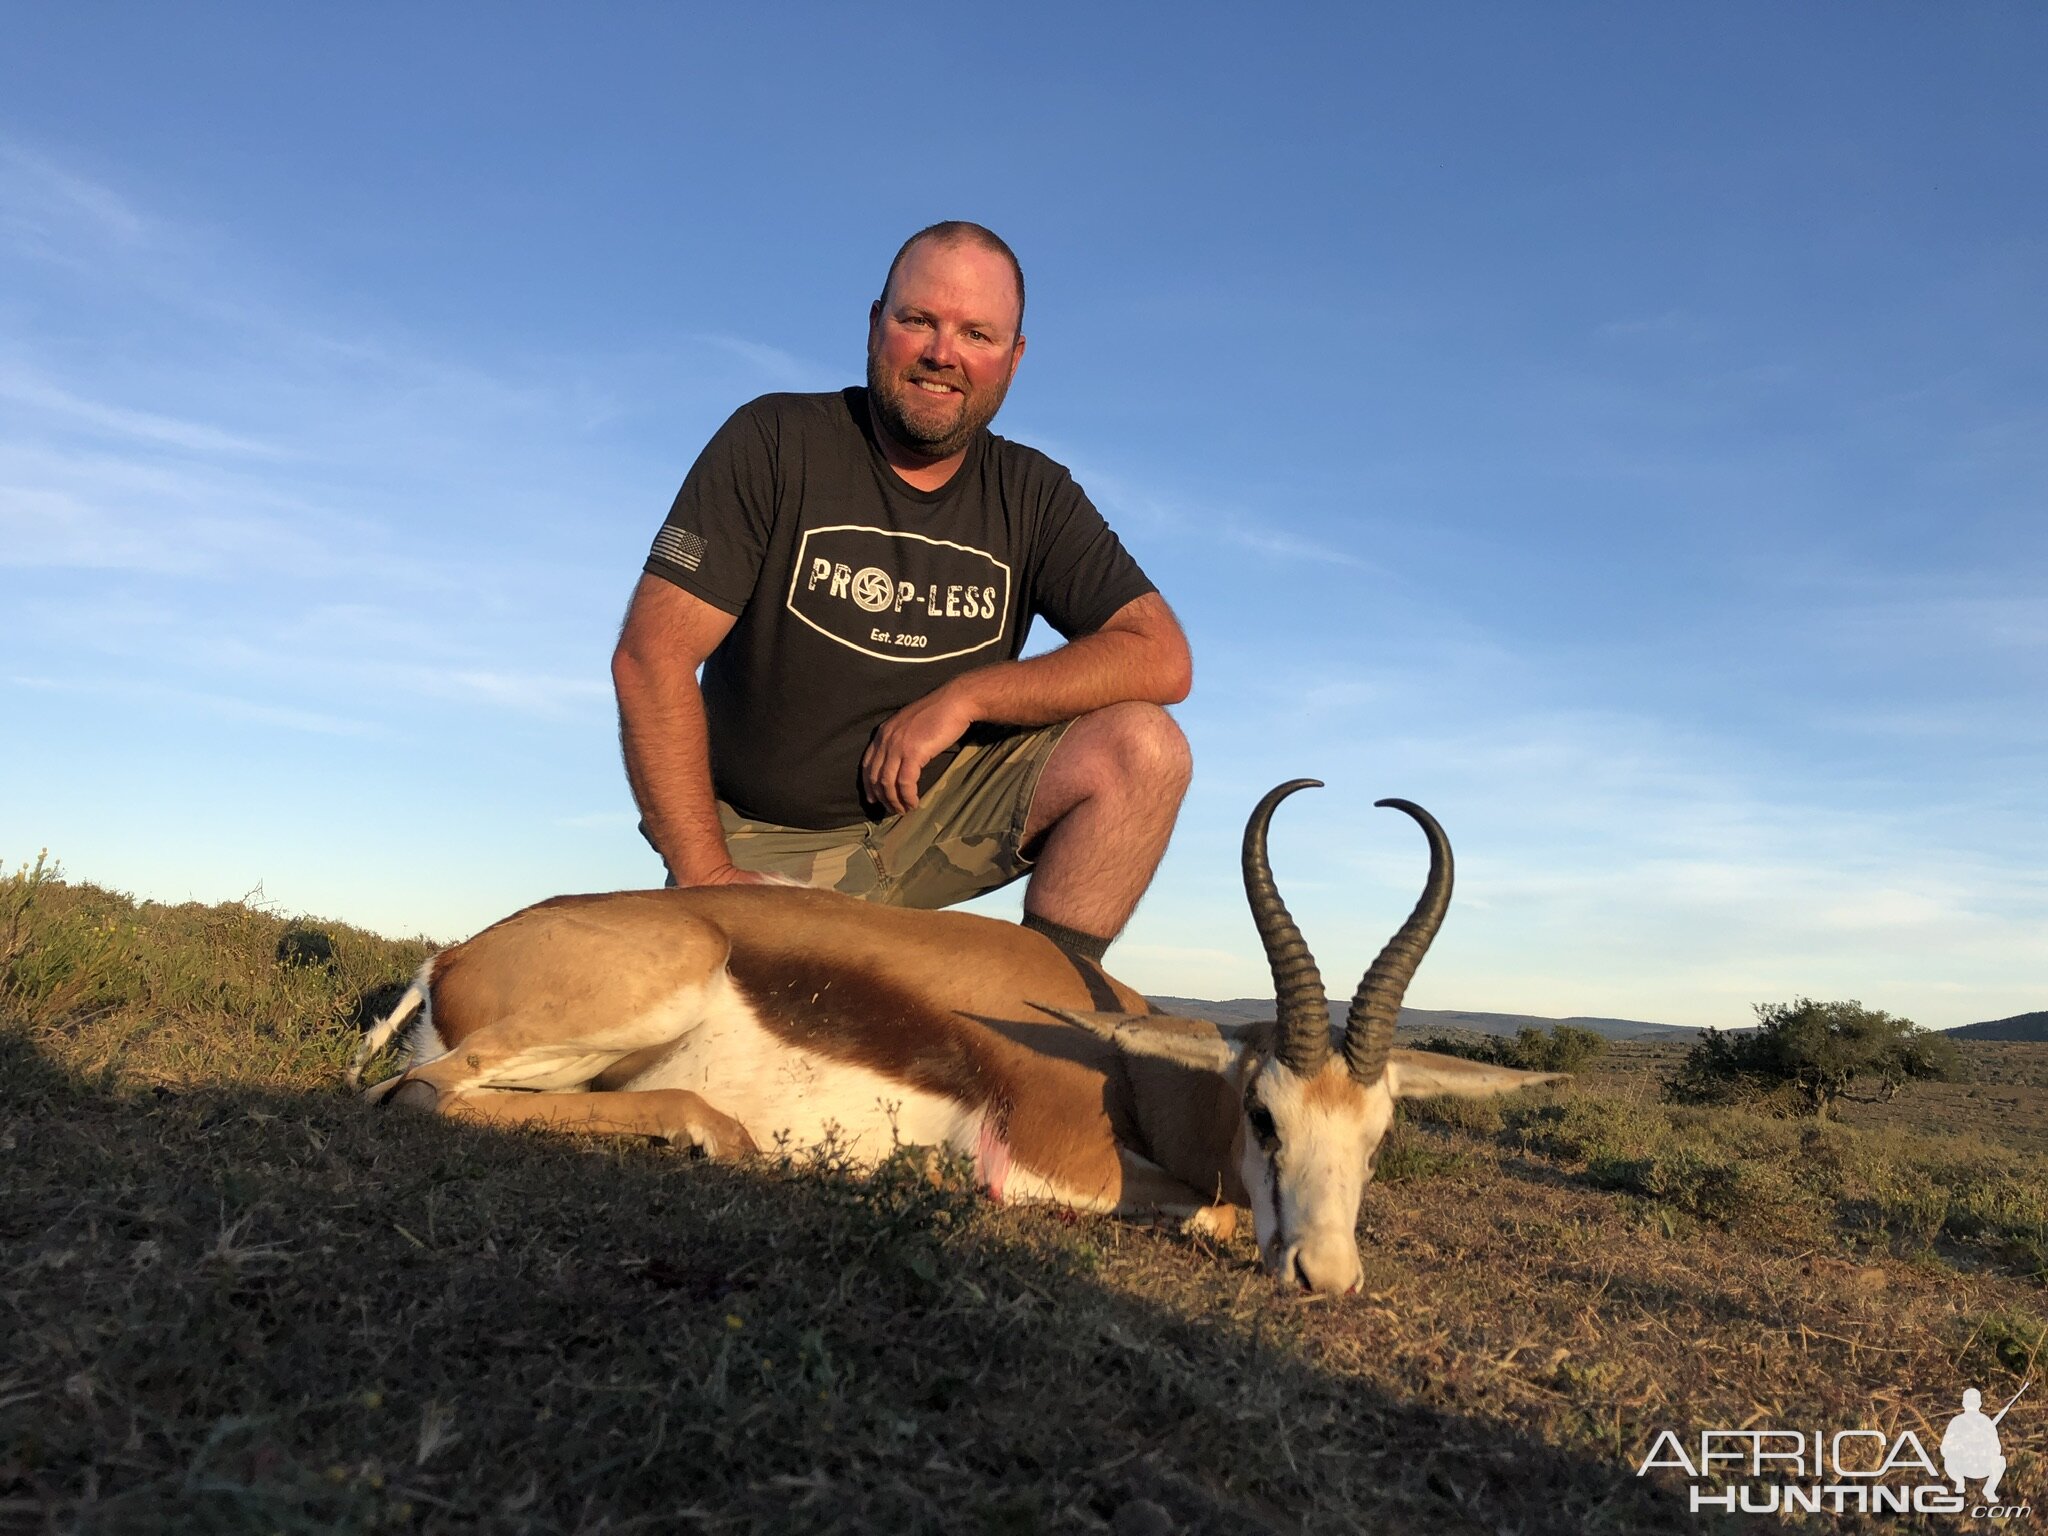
1369, 1026
1304, 1011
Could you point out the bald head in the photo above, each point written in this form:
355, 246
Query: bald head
952, 232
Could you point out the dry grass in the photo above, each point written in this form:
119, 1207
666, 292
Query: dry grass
231, 1299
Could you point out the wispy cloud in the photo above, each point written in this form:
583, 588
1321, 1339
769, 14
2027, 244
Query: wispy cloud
50, 528
40, 395
42, 201
383, 663
1266, 533
1946, 622
205, 701
1277, 543
776, 367
92, 509
532, 693
1972, 727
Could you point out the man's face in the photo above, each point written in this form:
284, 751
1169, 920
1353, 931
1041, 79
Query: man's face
943, 346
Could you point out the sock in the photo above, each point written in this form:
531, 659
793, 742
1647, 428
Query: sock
1087, 945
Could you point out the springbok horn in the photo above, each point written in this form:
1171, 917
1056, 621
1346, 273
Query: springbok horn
1304, 1009
1369, 1026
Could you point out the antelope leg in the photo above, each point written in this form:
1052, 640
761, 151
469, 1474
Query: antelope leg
1149, 1190
673, 1115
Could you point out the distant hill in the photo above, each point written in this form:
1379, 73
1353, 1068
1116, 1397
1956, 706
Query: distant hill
1429, 1021
2021, 1026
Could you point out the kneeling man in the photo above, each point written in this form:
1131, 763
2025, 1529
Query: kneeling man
855, 573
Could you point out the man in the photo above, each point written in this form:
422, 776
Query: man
856, 572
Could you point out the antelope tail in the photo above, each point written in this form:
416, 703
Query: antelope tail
379, 1035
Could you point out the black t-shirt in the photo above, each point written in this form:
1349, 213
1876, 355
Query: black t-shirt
856, 593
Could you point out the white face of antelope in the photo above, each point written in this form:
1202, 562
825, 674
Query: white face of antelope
1307, 1150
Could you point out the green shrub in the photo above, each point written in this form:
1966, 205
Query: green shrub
1564, 1048
1804, 1055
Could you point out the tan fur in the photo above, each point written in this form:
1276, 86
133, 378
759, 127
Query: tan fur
726, 1018
627, 945
588, 987
1052, 1112
672, 1115
1333, 1090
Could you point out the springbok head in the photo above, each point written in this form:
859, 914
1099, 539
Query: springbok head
1314, 1109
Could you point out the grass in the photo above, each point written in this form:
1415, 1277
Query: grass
152, 991
234, 1300
1956, 1198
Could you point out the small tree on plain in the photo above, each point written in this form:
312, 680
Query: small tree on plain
1564, 1048
1811, 1054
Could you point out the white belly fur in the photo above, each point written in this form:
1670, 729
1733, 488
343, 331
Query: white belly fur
784, 1097
801, 1099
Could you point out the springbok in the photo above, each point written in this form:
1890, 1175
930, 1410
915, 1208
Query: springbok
732, 1017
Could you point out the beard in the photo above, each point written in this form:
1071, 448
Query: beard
932, 426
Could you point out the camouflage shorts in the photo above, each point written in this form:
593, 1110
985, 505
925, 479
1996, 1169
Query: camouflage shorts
963, 838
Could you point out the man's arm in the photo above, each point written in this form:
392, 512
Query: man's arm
1139, 655
667, 634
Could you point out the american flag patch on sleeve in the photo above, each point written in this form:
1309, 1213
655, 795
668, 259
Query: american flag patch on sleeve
678, 546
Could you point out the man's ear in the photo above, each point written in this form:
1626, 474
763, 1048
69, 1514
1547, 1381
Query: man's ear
1016, 355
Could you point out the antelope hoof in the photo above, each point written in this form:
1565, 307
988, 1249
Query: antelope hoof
720, 1143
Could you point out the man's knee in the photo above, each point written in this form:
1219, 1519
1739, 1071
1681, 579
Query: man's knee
1135, 746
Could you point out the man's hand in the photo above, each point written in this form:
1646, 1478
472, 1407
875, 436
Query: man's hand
908, 740
1139, 654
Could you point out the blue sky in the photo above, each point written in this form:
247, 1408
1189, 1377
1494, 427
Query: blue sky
1623, 429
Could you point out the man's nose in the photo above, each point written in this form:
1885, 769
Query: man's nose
940, 351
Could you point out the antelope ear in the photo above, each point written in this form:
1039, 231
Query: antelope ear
1186, 1042
1425, 1074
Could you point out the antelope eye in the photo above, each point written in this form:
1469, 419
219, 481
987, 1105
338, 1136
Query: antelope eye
1260, 1119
